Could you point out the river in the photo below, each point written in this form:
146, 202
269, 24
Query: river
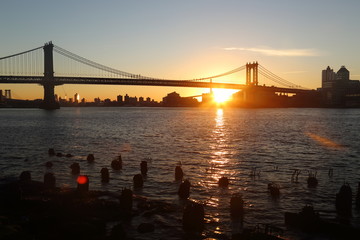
208, 143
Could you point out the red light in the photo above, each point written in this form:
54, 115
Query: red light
82, 179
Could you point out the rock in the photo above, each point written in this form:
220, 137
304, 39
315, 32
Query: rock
49, 181
143, 167
116, 164
126, 201
236, 205
49, 164
51, 152
75, 168
178, 173
193, 217
25, 176
223, 182
90, 158
344, 200
105, 177
184, 189
274, 190
146, 227
118, 232
138, 181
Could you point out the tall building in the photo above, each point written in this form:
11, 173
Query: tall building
328, 76
76, 98
338, 90
343, 74
119, 98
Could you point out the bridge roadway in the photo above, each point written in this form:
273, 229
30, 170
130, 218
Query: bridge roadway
143, 82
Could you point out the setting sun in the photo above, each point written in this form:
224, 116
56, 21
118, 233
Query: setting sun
222, 95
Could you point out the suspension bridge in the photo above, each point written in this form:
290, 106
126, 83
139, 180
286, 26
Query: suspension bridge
37, 66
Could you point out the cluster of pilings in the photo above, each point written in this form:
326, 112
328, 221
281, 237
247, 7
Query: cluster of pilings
193, 212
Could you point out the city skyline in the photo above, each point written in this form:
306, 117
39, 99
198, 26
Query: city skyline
186, 40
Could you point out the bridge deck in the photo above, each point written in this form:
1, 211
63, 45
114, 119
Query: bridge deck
142, 82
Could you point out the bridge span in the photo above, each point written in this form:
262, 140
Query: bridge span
11, 67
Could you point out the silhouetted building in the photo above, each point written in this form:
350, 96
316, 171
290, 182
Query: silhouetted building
343, 74
127, 99
97, 100
119, 98
76, 98
328, 77
338, 90
207, 98
133, 100
174, 100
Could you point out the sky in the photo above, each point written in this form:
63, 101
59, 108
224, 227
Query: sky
186, 39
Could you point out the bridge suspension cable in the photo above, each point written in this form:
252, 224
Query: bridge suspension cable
90, 63
223, 74
17, 54
104, 68
24, 63
273, 77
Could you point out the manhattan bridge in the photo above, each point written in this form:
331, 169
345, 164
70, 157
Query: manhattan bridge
36, 66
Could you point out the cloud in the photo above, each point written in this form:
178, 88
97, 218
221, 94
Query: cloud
278, 52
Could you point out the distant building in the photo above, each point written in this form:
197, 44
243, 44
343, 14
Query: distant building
343, 74
207, 98
338, 90
126, 99
76, 98
328, 76
174, 100
97, 100
119, 98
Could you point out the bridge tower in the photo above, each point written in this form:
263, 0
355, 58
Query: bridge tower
252, 74
48, 83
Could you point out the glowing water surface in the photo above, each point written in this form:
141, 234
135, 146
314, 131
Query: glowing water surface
208, 143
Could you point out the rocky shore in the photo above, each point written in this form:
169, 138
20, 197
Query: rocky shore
30, 210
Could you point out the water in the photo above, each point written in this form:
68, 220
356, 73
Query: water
209, 143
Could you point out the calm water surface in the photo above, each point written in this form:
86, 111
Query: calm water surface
208, 143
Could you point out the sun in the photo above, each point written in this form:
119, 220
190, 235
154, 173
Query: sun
222, 95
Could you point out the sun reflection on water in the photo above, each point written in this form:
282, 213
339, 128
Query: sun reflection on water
219, 154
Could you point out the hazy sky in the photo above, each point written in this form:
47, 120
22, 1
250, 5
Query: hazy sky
186, 39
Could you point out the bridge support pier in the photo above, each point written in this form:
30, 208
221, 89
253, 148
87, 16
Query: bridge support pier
49, 102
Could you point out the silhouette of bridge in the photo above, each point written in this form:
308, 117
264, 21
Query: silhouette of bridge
37, 66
